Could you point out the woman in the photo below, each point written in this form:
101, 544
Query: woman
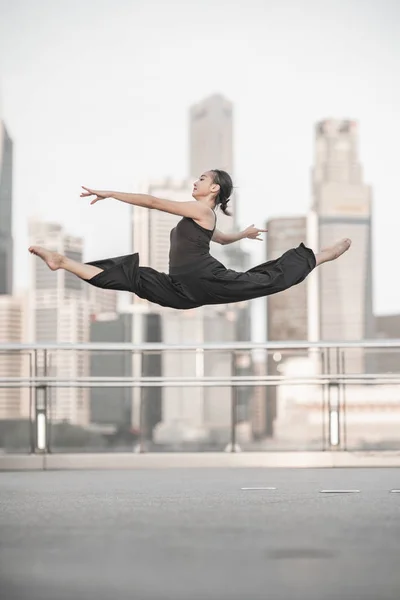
195, 278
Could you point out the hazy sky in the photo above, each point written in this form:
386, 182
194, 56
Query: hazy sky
96, 92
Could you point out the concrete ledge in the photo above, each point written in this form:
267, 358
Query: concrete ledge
21, 462
187, 460
366, 459
199, 460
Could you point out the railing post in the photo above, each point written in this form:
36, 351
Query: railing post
41, 441
334, 414
333, 391
142, 423
233, 404
324, 390
343, 388
137, 408
32, 437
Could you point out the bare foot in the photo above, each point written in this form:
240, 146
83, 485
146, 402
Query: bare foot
53, 260
333, 252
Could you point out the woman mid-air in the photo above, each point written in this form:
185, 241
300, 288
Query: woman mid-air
195, 277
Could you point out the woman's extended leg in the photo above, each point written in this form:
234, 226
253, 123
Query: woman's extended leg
123, 273
332, 252
55, 261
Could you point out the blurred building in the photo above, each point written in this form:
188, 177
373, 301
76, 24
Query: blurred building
128, 409
386, 360
342, 207
287, 312
211, 135
387, 327
261, 421
13, 401
101, 301
335, 301
287, 317
6, 240
201, 415
370, 418
211, 147
60, 313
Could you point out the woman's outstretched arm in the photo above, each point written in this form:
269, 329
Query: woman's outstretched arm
193, 209
250, 232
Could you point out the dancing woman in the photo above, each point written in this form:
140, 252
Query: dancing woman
195, 277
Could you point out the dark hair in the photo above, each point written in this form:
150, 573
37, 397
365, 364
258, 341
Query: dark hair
223, 179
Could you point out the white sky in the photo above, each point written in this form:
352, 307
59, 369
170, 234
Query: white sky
96, 92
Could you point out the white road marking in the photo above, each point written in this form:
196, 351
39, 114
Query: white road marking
339, 491
258, 488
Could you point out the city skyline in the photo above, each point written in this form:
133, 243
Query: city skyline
63, 139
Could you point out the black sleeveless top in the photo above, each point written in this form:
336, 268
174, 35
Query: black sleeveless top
189, 242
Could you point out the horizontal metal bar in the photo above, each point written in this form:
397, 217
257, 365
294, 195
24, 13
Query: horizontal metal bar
160, 380
171, 385
238, 346
191, 383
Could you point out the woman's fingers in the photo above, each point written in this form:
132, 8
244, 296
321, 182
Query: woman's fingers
255, 236
255, 230
88, 192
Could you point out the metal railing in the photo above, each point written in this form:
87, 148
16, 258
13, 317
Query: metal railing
332, 379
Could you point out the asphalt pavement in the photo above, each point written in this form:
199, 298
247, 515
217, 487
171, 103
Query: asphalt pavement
180, 534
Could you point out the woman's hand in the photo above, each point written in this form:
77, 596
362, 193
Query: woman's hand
252, 233
100, 195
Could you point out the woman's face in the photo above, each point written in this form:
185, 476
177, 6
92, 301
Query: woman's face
204, 186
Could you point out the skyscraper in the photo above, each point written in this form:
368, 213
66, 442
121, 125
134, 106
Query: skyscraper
211, 145
127, 407
198, 414
101, 301
211, 135
286, 312
342, 204
6, 241
59, 314
11, 363
287, 318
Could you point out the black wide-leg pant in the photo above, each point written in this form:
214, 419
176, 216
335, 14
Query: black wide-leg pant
204, 282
